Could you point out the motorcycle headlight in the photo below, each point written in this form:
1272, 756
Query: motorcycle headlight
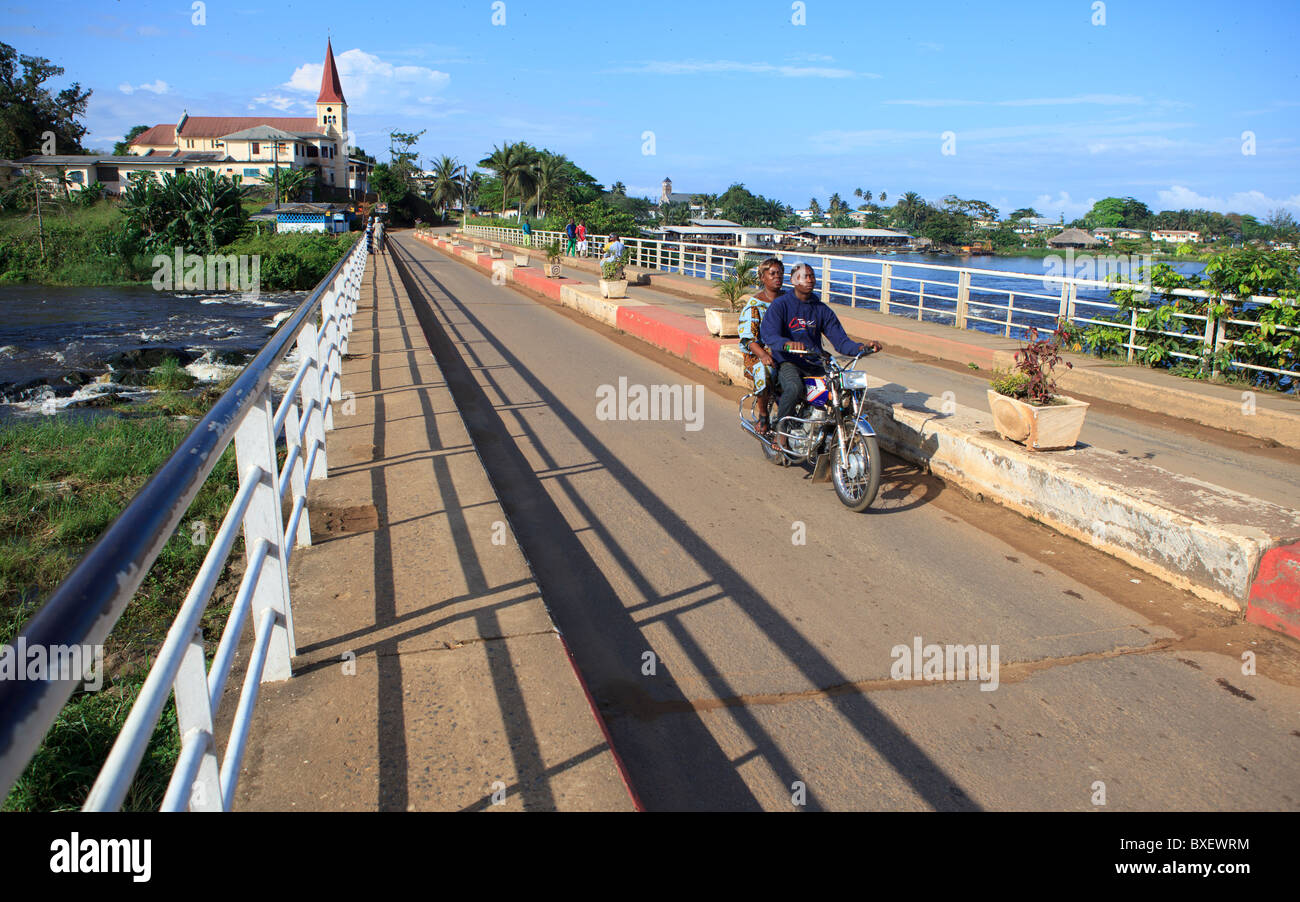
853, 380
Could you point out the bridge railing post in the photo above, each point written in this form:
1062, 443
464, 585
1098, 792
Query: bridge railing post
309, 347
255, 459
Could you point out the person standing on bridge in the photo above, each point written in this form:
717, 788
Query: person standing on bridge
528, 234
379, 237
794, 326
571, 233
582, 239
759, 365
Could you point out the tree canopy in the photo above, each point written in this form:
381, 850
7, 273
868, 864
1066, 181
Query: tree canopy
28, 110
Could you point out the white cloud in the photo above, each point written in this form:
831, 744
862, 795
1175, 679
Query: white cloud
372, 85
149, 31
157, 87
1051, 207
278, 102
698, 67
1180, 197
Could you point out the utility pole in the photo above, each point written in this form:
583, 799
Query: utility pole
276, 150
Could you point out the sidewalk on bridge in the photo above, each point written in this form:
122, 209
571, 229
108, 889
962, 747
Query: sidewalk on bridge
1219, 540
429, 674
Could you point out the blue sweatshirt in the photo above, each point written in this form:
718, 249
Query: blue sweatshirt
790, 319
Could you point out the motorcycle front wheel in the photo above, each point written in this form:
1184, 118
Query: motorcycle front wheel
856, 485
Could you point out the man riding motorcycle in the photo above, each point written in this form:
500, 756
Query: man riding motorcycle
796, 321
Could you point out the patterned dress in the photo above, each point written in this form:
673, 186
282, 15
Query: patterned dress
750, 319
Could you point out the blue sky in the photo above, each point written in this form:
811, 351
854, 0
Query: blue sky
1044, 107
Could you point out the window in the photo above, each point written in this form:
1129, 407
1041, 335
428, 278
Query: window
257, 148
252, 173
75, 177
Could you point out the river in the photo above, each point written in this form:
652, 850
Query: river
59, 340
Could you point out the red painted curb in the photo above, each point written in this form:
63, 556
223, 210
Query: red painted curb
675, 333
1274, 600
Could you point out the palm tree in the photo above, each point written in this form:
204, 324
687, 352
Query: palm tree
883, 197
737, 284
291, 181
837, 203
445, 187
909, 208
618, 188
866, 195
548, 177
512, 164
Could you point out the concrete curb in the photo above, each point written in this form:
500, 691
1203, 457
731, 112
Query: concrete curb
1225, 547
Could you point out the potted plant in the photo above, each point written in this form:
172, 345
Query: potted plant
1025, 404
553, 254
613, 283
735, 288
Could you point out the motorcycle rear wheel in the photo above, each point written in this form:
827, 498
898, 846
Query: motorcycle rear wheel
857, 493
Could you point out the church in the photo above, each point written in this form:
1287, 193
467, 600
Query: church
247, 146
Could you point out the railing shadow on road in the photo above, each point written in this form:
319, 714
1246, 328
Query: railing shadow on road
691, 770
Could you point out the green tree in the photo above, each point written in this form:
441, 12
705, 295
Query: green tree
1118, 212
197, 211
815, 208
28, 110
292, 182
674, 213
445, 189
883, 197
549, 178
1024, 213
390, 186
836, 205
909, 212
402, 156
946, 227
123, 147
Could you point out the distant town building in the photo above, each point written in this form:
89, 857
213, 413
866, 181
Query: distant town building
667, 195
247, 146
1077, 238
1175, 236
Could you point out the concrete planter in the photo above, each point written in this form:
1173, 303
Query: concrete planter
1050, 428
552, 270
479, 248
520, 259
495, 253
722, 322
613, 289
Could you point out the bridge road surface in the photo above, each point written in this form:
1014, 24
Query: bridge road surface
773, 658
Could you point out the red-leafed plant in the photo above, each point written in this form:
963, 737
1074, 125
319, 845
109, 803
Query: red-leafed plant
1035, 361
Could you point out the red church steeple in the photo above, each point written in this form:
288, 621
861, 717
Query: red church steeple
331, 91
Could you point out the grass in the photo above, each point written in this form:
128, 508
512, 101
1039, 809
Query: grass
62, 482
171, 376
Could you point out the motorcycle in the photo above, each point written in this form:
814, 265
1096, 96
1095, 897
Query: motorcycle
828, 427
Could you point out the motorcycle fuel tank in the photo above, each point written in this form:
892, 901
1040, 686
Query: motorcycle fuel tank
817, 390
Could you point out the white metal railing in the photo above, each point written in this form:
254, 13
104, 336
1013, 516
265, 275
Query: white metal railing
965, 297
111, 572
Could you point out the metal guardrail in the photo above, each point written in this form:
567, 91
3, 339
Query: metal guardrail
84, 608
960, 296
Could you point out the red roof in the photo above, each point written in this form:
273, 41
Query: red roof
331, 91
158, 135
217, 126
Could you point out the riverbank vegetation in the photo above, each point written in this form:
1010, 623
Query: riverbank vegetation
99, 241
63, 480
1258, 335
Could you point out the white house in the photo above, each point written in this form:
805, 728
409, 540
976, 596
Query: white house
1175, 236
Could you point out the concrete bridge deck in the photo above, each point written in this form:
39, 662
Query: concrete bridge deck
737, 628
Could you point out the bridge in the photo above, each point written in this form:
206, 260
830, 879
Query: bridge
500, 599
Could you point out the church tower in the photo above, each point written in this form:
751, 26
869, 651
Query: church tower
332, 117
667, 190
